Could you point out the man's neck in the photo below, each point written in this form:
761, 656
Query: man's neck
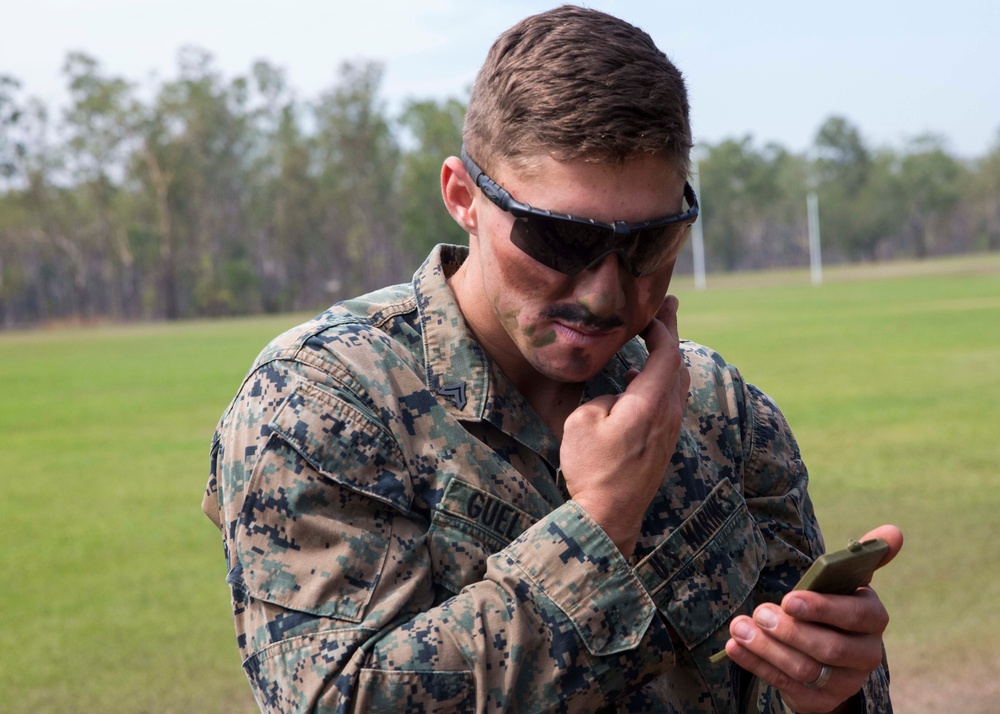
552, 400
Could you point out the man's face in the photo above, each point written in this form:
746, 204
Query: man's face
563, 327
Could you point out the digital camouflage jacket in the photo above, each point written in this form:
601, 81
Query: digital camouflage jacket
398, 540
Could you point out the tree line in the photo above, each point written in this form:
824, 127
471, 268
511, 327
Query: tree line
205, 195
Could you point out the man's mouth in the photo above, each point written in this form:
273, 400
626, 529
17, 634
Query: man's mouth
580, 335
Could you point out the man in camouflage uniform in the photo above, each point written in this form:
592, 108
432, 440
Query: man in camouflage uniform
483, 491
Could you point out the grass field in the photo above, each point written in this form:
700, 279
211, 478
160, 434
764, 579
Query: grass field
114, 598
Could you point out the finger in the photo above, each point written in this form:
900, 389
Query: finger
853, 649
667, 314
891, 535
660, 387
630, 375
862, 612
589, 414
788, 668
655, 335
664, 362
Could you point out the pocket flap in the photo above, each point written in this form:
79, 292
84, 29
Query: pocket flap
343, 443
704, 571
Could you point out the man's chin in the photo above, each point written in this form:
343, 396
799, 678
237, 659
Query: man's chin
570, 366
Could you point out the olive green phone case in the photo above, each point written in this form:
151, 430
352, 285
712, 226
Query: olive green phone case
844, 571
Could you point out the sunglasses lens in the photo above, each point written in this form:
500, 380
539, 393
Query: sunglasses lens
655, 247
562, 245
569, 247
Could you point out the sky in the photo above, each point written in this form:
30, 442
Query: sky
773, 70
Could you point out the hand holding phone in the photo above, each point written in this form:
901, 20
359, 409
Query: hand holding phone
838, 573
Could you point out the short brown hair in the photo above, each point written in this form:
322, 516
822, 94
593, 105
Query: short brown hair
577, 83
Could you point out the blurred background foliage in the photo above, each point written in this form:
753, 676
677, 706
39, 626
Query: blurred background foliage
205, 195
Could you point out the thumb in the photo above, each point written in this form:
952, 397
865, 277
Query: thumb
891, 535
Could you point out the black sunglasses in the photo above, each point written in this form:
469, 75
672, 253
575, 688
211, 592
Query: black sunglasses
570, 244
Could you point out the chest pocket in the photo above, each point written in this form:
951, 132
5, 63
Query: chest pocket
704, 571
468, 526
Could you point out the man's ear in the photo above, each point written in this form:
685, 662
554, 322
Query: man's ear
457, 191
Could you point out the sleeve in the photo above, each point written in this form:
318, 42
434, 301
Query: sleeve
775, 481
333, 584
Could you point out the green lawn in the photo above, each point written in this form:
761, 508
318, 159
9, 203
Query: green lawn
114, 597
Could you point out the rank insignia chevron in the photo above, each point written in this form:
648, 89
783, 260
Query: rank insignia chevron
456, 393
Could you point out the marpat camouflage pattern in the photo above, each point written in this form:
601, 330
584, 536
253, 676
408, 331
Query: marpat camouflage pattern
398, 539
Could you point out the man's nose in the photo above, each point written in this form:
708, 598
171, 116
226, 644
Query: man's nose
600, 288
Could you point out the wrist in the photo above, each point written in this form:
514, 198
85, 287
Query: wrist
620, 531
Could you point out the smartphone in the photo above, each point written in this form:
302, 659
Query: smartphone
844, 571
838, 573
